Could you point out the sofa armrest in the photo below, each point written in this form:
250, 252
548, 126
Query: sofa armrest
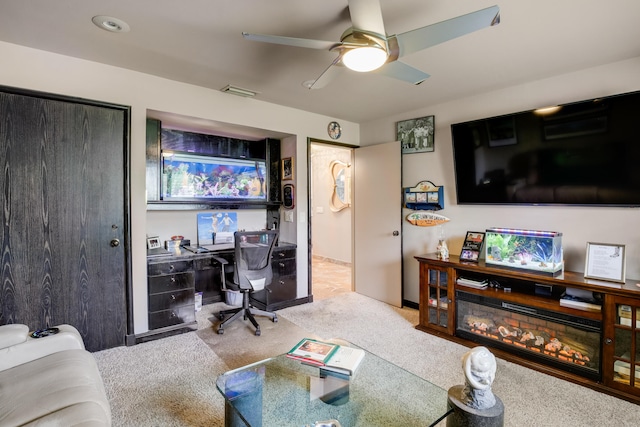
11, 335
34, 348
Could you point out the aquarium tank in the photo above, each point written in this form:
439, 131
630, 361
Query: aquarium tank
534, 251
187, 176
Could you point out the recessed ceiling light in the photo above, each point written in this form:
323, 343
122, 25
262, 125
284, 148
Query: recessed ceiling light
109, 23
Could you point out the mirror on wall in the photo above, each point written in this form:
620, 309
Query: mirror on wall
340, 197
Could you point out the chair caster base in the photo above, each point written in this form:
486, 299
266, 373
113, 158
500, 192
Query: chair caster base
220, 331
257, 332
275, 319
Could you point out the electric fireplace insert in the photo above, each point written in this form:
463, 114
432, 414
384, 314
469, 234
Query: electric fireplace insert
560, 340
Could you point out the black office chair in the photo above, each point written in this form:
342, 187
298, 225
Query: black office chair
251, 272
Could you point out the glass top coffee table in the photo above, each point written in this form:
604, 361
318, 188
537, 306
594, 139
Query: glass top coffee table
281, 392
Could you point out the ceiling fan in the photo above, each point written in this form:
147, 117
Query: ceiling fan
366, 47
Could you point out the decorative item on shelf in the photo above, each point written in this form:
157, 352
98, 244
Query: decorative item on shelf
334, 130
416, 135
341, 176
424, 196
426, 219
472, 246
605, 261
287, 169
442, 250
535, 251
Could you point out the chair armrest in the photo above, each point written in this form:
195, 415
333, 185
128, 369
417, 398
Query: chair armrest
223, 274
220, 260
34, 348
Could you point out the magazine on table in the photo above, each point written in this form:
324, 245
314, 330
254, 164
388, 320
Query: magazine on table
329, 356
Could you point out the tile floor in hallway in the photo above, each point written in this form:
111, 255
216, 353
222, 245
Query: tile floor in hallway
329, 278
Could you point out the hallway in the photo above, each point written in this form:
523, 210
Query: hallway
330, 278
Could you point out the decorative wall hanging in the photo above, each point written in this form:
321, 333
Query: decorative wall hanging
287, 168
424, 196
416, 135
341, 194
426, 219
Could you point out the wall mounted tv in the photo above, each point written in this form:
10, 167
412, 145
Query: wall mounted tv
187, 176
585, 153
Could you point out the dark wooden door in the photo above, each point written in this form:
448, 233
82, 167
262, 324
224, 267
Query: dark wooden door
64, 232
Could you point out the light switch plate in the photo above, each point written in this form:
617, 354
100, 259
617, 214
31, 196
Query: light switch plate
288, 216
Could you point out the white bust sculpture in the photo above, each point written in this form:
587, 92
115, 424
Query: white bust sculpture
479, 367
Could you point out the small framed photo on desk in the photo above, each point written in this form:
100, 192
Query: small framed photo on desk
153, 242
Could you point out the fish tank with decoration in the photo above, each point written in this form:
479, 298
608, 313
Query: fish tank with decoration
187, 176
533, 251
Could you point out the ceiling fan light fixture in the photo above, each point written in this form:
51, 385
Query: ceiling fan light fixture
363, 59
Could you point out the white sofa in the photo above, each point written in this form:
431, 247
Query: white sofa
50, 381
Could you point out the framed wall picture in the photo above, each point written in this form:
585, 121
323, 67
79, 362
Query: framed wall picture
472, 246
287, 169
416, 135
605, 261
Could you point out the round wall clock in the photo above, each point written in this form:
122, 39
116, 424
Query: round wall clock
334, 130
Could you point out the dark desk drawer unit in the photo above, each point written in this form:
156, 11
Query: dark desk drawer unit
170, 267
283, 288
171, 293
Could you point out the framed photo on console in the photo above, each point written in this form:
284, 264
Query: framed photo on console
472, 246
605, 261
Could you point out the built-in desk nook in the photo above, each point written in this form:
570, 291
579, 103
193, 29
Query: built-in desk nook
521, 317
174, 279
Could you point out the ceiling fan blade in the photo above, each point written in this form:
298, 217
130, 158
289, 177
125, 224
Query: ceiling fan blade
431, 35
327, 75
367, 15
401, 71
291, 41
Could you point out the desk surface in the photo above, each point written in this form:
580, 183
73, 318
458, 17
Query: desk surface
379, 394
181, 253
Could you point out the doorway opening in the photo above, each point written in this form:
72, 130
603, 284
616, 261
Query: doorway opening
330, 219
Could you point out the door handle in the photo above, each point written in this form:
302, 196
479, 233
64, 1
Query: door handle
115, 243
396, 233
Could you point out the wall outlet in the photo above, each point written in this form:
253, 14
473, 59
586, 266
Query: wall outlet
288, 216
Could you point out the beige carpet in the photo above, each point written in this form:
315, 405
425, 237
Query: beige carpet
239, 346
171, 382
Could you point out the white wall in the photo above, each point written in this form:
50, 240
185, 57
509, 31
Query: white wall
38, 70
579, 225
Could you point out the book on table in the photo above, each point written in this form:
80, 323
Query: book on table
329, 356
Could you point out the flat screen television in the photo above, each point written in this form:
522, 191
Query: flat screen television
585, 153
188, 176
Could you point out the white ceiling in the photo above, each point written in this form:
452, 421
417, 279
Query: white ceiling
200, 42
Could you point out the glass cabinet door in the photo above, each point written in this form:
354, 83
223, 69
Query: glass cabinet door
437, 288
621, 344
626, 344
